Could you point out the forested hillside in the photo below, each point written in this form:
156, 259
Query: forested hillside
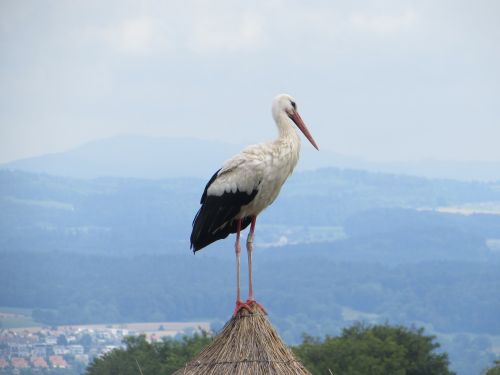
135, 216
306, 293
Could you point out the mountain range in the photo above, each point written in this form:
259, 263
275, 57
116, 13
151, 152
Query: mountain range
161, 157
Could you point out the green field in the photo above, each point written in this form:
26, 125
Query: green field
12, 317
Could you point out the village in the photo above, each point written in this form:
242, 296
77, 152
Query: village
74, 347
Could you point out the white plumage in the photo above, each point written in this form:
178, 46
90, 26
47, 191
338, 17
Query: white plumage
262, 167
249, 182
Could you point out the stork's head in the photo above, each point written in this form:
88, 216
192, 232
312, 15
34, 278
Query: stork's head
285, 105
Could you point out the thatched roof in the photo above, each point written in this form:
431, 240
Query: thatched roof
248, 344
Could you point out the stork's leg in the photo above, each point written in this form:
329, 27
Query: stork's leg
249, 252
251, 299
239, 303
237, 249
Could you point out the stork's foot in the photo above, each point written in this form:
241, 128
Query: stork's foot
240, 305
252, 303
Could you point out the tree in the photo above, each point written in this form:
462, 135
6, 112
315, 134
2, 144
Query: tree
86, 341
367, 350
61, 340
374, 350
140, 356
495, 370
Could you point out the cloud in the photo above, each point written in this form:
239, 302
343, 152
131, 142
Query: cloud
226, 31
213, 27
83, 70
132, 36
383, 24
207, 28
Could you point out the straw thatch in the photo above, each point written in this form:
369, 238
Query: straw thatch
248, 344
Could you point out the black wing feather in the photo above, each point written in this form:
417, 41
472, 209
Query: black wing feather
215, 218
212, 179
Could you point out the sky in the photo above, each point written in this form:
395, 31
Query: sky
391, 80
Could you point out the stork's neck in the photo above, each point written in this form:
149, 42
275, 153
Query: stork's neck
287, 145
286, 130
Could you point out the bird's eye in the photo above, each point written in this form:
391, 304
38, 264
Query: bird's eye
294, 105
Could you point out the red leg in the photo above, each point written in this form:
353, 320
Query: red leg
251, 299
237, 248
249, 253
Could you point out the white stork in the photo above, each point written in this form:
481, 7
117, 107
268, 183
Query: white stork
248, 183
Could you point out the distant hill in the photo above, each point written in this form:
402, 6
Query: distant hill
131, 156
133, 216
149, 157
161, 157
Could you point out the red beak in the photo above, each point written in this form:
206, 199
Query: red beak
303, 128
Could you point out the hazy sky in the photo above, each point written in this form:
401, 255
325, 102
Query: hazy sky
381, 80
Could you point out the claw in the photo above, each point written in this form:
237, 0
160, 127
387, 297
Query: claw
252, 303
241, 305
